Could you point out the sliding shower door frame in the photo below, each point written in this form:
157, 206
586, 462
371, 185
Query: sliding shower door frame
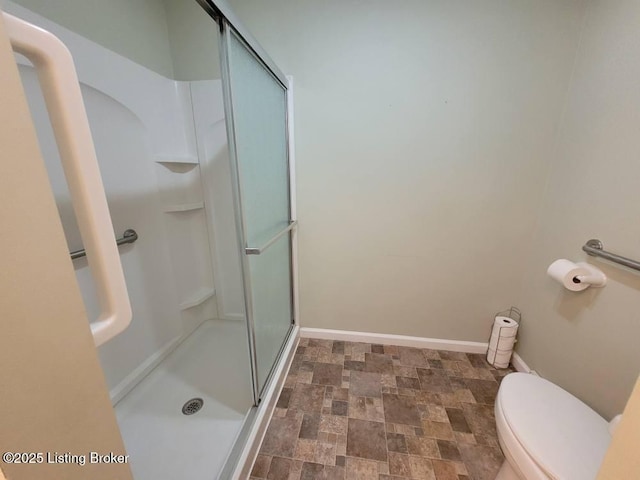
228, 30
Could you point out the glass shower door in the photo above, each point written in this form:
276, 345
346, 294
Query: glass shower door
256, 104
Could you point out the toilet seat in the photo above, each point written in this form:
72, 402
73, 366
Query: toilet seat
548, 433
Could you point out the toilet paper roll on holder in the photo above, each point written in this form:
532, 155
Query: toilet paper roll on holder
594, 278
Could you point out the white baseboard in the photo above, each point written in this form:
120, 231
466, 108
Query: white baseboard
265, 410
399, 340
519, 364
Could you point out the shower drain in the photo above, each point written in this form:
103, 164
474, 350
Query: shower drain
192, 406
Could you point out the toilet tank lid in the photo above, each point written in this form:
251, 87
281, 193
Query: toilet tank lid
565, 437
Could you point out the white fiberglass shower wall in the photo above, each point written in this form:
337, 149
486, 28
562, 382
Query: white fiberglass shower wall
161, 144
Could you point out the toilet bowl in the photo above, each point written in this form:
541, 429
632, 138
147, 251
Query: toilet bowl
547, 433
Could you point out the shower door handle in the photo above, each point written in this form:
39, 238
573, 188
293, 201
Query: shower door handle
61, 90
271, 241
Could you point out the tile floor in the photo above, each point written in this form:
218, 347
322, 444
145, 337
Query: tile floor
360, 411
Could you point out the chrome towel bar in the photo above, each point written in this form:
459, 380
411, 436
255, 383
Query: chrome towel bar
595, 248
129, 236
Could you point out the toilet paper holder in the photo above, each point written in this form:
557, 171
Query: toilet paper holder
499, 355
513, 313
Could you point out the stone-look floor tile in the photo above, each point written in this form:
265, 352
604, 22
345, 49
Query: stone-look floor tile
360, 409
444, 470
283, 399
431, 354
365, 384
295, 470
339, 407
261, 466
459, 356
378, 363
383, 468
352, 365
389, 387
467, 371
464, 437
428, 398
303, 342
464, 396
437, 413
396, 443
412, 357
305, 450
358, 351
341, 394
337, 347
484, 391
478, 360
388, 381
480, 418
439, 430
311, 471
461, 469
307, 398
408, 382
390, 349
434, 380
457, 420
401, 409
406, 430
307, 366
421, 468
321, 342
399, 464
488, 440
482, 462
485, 374
327, 374
359, 469
366, 439
310, 424
279, 468
449, 451
281, 437
435, 364
333, 424
404, 371
326, 453
423, 447
333, 473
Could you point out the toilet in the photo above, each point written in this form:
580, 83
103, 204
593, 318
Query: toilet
547, 433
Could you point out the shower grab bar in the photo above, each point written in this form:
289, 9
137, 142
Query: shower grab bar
129, 236
271, 241
61, 91
595, 248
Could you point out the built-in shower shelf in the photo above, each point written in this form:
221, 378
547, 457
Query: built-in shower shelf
177, 159
184, 207
198, 298
178, 165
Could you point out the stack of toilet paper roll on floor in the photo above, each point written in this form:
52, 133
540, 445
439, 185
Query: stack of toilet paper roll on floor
502, 341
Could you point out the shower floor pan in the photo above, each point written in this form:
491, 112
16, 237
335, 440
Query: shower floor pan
163, 442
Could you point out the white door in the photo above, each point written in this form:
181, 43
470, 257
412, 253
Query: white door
54, 404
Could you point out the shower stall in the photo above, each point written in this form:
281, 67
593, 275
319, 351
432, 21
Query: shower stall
190, 121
